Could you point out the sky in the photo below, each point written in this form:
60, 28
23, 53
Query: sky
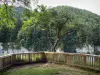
90, 5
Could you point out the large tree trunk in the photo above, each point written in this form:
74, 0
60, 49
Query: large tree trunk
48, 36
13, 51
95, 50
7, 51
2, 51
54, 46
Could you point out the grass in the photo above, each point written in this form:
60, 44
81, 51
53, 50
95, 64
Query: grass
31, 71
46, 69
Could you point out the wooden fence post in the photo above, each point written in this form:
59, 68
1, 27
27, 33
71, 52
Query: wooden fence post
13, 59
29, 55
1, 63
44, 59
84, 59
68, 58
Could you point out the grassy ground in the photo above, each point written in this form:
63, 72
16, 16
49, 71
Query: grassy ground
46, 69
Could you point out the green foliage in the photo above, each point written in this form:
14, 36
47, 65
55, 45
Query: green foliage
59, 24
10, 23
7, 16
49, 28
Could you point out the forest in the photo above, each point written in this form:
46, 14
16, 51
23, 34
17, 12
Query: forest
48, 28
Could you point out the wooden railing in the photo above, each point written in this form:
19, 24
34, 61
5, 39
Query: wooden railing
22, 58
81, 60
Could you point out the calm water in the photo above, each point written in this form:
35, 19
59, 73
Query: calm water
15, 51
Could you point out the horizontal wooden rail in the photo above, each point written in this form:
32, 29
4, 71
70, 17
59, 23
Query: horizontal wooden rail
22, 58
81, 60
75, 59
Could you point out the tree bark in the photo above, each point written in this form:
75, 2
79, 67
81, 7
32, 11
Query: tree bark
95, 50
13, 51
2, 51
7, 51
48, 36
54, 46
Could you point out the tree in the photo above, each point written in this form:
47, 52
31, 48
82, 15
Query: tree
33, 28
62, 25
8, 26
6, 23
54, 26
